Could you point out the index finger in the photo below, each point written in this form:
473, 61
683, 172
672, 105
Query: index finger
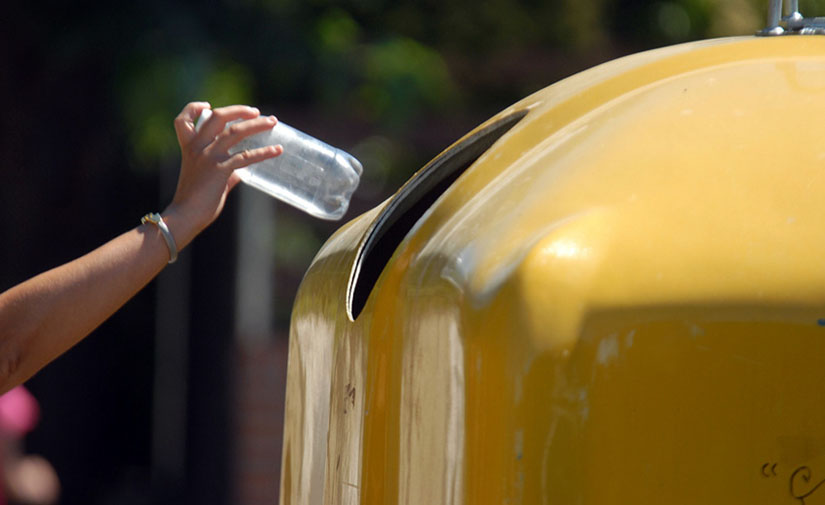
185, 121
220, 116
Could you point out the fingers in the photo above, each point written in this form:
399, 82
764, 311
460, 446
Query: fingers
238, 131
216, 124
185, 122
246, 158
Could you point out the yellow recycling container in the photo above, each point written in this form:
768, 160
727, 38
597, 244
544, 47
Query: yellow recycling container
612, 292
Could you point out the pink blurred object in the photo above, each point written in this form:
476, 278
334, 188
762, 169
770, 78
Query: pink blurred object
19, 412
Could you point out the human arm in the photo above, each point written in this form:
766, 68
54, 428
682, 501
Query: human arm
46, 315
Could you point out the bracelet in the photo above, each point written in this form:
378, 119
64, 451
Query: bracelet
157, 220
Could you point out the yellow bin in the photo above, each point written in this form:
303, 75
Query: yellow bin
613, 292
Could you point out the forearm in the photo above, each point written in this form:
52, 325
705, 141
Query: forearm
46, 315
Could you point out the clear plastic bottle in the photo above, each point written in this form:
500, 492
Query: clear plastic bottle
310, 175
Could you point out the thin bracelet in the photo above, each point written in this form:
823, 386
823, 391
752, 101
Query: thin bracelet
157, 220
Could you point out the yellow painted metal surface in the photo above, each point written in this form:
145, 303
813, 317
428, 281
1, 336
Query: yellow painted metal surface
622, 301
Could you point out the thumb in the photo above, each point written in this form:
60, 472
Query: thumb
185, 122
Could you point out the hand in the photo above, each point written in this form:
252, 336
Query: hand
207, 173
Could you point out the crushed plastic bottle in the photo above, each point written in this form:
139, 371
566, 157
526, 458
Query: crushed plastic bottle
310, 174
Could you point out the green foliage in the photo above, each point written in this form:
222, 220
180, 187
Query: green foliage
410, 76
389, 63
337, 33
153, 91
401, 77
387, 80
295, 243
227, 83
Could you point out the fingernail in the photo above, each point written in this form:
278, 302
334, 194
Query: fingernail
255, 110
272, 119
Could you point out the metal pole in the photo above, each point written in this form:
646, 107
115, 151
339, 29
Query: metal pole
793, 7
774, 13
774, 17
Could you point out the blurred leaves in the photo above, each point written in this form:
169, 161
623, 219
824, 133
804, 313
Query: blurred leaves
387, 81
401, 77
337, 33
295, 242
153, 91
394, 82
387, 63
